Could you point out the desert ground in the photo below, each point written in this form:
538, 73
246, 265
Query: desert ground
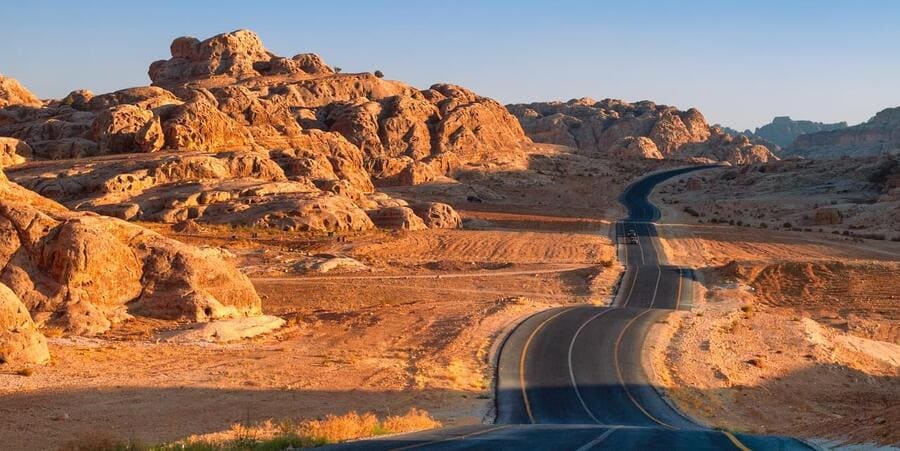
411, 321
794, 332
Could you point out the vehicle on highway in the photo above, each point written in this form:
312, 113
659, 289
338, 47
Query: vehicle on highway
631, 236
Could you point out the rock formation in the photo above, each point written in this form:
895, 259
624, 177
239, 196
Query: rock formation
84, 272
13, 151
639, 130
20, 341
879, 135
13, 93
231, 133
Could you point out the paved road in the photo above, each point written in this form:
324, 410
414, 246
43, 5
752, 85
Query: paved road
571, 378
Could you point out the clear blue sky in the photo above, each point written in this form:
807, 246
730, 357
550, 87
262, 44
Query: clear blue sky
739, 62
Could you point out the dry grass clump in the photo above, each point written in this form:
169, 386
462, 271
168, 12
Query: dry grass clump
340, 428
414, 420
270, 435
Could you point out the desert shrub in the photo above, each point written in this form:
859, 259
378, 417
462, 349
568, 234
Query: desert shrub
341, 428
414, 420
379, 74
787, 225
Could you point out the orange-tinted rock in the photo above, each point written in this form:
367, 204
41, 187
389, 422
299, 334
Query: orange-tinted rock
13, 93
81, 269
199, 125
13, 151
613, 127
20, 341
437, 215
127, 129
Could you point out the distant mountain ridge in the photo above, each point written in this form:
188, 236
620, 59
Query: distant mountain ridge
877, 136
783, 130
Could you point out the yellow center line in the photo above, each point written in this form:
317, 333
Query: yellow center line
637, 271
522, 362
656, 288
622, 380
737, 443
678, 293
448, 439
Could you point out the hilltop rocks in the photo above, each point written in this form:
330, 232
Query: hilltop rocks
20, 341
230, 132
13, 93
635, 130
230, 54
229, 93
879, 135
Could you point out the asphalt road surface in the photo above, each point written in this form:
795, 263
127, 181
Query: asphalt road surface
571, 378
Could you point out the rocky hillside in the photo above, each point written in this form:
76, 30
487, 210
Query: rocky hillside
83, 273
879, 135
230, 133
642, 130
783, 130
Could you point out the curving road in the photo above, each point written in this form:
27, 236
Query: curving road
571, 378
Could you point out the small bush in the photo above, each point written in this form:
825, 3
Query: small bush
787, 225
25, 372
379, 74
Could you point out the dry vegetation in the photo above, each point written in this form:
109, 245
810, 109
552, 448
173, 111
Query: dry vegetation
270, 435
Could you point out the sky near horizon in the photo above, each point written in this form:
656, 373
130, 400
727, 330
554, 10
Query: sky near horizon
740, 63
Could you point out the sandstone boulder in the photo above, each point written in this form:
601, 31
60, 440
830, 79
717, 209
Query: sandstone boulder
127, 129
396, 218
199, 125
13, 151
79, 99
437, 215
20, 341
636, 147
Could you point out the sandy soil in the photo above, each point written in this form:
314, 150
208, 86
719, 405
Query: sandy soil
415, 325
794, 332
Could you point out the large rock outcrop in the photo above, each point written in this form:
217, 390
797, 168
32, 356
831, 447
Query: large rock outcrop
230, 93
84, 272
877, 136
642, 129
